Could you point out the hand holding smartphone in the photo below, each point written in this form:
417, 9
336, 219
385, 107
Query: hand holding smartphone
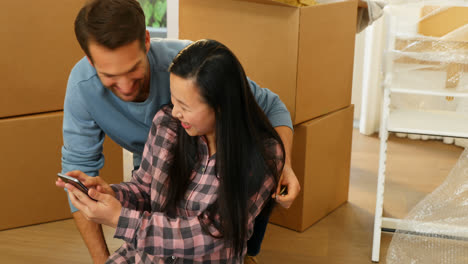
284, 190
75, 182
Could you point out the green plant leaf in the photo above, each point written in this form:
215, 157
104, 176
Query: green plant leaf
148, 9
159, 11
156, 24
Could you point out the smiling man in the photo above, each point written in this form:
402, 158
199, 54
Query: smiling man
117, 88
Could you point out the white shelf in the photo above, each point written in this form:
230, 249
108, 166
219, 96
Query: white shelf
416, 68
440, 123
416, 79
436, 92
435, 229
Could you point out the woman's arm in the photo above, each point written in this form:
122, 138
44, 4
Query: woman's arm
136, 193
162, 236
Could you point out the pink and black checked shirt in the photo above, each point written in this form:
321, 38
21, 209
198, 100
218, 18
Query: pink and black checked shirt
153, 237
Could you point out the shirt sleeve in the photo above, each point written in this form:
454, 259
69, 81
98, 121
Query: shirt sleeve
136, 194
271, 104
82, 137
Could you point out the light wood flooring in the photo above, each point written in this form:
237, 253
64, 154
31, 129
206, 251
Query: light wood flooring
414, 169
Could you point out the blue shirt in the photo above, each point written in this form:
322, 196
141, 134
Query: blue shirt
91, 111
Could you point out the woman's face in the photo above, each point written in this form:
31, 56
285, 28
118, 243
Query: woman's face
196, 117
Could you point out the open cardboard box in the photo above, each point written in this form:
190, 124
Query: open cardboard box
304, 54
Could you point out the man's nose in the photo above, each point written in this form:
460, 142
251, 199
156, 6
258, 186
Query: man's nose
125, 84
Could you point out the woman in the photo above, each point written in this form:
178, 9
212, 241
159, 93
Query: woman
210, 165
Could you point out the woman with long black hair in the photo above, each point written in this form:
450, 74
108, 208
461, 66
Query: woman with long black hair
210, 166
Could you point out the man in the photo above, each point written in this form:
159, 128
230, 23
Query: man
117, 89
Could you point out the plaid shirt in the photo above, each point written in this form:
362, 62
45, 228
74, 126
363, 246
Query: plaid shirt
153, 237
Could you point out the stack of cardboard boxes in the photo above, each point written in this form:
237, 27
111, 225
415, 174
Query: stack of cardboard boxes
38, 50
305, 55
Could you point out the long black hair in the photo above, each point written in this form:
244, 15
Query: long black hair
242, 159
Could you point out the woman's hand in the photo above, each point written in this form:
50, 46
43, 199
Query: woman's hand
91, 182
105, 210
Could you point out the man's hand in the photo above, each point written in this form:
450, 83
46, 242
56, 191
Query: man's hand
105, 210
288, 179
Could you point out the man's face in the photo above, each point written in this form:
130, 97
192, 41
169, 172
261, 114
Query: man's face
124, 71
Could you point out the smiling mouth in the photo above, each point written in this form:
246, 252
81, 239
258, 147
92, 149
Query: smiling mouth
185, 125
129, 93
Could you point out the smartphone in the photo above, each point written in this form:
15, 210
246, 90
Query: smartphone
75, 182
284, 190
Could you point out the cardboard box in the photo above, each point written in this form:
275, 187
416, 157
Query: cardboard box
321, 160
29, 161
304, 54
449, 23
437, 21
37, 51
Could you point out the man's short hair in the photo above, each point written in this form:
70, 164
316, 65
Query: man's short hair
110, 23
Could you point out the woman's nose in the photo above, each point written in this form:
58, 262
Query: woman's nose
176, 113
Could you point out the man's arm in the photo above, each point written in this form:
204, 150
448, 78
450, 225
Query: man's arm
82, 150
280, 118
288, 177
271, 105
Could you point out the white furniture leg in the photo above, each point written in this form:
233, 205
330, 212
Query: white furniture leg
381, 178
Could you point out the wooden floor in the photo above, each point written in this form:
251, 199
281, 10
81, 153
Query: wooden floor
414, 168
